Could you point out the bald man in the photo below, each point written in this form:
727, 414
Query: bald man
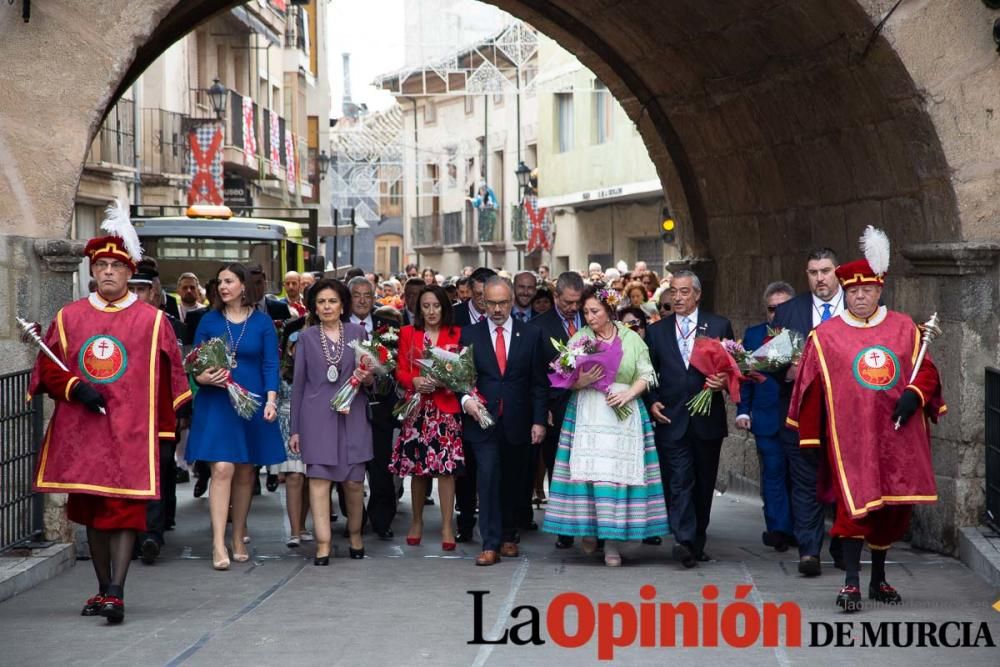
292, 283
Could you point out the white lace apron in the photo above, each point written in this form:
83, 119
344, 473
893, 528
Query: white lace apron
605, 449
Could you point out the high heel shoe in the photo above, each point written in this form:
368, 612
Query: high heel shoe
322, 560
220, 564
448, 546
413, 541
240, 558
356, 554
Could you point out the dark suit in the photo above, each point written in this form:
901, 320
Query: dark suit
277, 310
760, 402
382, 501
169, 306
551, 324
516, 399
465, 485
808, 513
463, 317
689, 446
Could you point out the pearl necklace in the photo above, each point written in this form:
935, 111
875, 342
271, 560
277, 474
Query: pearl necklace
332, 358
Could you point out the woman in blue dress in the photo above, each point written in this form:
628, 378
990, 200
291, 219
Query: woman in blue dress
231, 444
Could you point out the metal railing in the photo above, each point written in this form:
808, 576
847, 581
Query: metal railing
518, 223
992, 437
115, 141
457, 231
426, 231
490, 225
20, 433
164, 142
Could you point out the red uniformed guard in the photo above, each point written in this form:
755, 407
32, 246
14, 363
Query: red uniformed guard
852, 385
122, 356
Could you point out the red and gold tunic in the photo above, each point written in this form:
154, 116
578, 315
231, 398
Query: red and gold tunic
851, 375
128, 352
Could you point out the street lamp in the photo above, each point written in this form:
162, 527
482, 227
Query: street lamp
217, 94
323, 161
523, 176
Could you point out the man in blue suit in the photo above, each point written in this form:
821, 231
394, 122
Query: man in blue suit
823, 301
510, 377
688, 446
757, 412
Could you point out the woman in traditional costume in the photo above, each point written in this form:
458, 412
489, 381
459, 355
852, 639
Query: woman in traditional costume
606, 482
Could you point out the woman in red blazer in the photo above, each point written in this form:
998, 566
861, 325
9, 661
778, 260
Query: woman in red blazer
430, 441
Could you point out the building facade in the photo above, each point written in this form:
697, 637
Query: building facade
165, 143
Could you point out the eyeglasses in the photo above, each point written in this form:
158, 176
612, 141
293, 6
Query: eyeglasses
497, 304
102, 265
771, 309
665, 306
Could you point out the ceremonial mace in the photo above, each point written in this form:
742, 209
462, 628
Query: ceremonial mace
30, 335
929, 330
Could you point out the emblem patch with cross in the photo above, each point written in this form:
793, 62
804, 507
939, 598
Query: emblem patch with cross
877, 368
103, 359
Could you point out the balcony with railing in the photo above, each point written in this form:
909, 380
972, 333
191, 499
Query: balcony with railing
425, 232
490, 225
165, 147
113, 148
460, 229
518, 224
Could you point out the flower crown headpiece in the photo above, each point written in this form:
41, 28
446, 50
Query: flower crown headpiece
609, 297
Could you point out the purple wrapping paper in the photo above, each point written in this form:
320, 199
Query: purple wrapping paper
608, 357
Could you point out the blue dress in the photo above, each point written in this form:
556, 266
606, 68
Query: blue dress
217, 432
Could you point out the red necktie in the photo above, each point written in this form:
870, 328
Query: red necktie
570, 327
501, 351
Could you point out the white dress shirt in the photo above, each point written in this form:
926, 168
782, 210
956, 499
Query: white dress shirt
836, 303
679, 328
367, 323
474, 315
508, 333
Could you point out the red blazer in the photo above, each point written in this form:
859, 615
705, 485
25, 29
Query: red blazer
411, 346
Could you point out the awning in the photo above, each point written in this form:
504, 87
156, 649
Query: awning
624, 192
256, 25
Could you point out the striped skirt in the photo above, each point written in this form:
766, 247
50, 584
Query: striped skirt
603, 509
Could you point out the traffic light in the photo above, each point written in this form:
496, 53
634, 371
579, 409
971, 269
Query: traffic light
667, 227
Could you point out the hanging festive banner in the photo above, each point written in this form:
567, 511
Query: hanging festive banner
538, 226
275, 142
249, 135
291, 171
205, 165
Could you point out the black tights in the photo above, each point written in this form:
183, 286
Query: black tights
852, 561
111, 554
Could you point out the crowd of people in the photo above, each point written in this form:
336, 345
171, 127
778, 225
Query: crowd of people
623, 456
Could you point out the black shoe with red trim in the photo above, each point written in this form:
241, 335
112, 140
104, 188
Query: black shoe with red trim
113, 609
93, 606
883, 593
849, 599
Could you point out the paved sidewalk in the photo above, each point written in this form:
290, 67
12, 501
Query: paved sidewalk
409, 605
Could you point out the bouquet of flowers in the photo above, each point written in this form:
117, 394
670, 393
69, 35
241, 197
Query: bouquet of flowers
710, 357
368, 356
781, 348
213, 353
385, 339
582, 355
455, 371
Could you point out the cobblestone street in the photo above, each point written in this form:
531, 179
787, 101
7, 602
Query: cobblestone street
409, 605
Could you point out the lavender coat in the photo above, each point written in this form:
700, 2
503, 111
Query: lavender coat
326, 437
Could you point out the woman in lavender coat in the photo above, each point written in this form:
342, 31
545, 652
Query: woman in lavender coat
335, 447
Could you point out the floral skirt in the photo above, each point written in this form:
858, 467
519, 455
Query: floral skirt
606, 510
429, 443
293, 462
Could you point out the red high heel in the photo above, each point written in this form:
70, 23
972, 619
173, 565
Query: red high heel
413, 541
448, 546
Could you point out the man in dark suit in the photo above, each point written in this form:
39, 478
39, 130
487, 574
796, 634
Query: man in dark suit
757, 412
468, 313
559, 323
473, 311
688, 445
510, 377
525, 288
823, 301
411, 293
382, 501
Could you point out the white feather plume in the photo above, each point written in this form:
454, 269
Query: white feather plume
117, 222
875, 246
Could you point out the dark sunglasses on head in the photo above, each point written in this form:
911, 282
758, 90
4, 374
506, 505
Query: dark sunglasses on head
664, 306
771, 309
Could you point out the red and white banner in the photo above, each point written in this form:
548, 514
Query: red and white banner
275, 156
539, 237
249, 135
291, 171
205, 165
